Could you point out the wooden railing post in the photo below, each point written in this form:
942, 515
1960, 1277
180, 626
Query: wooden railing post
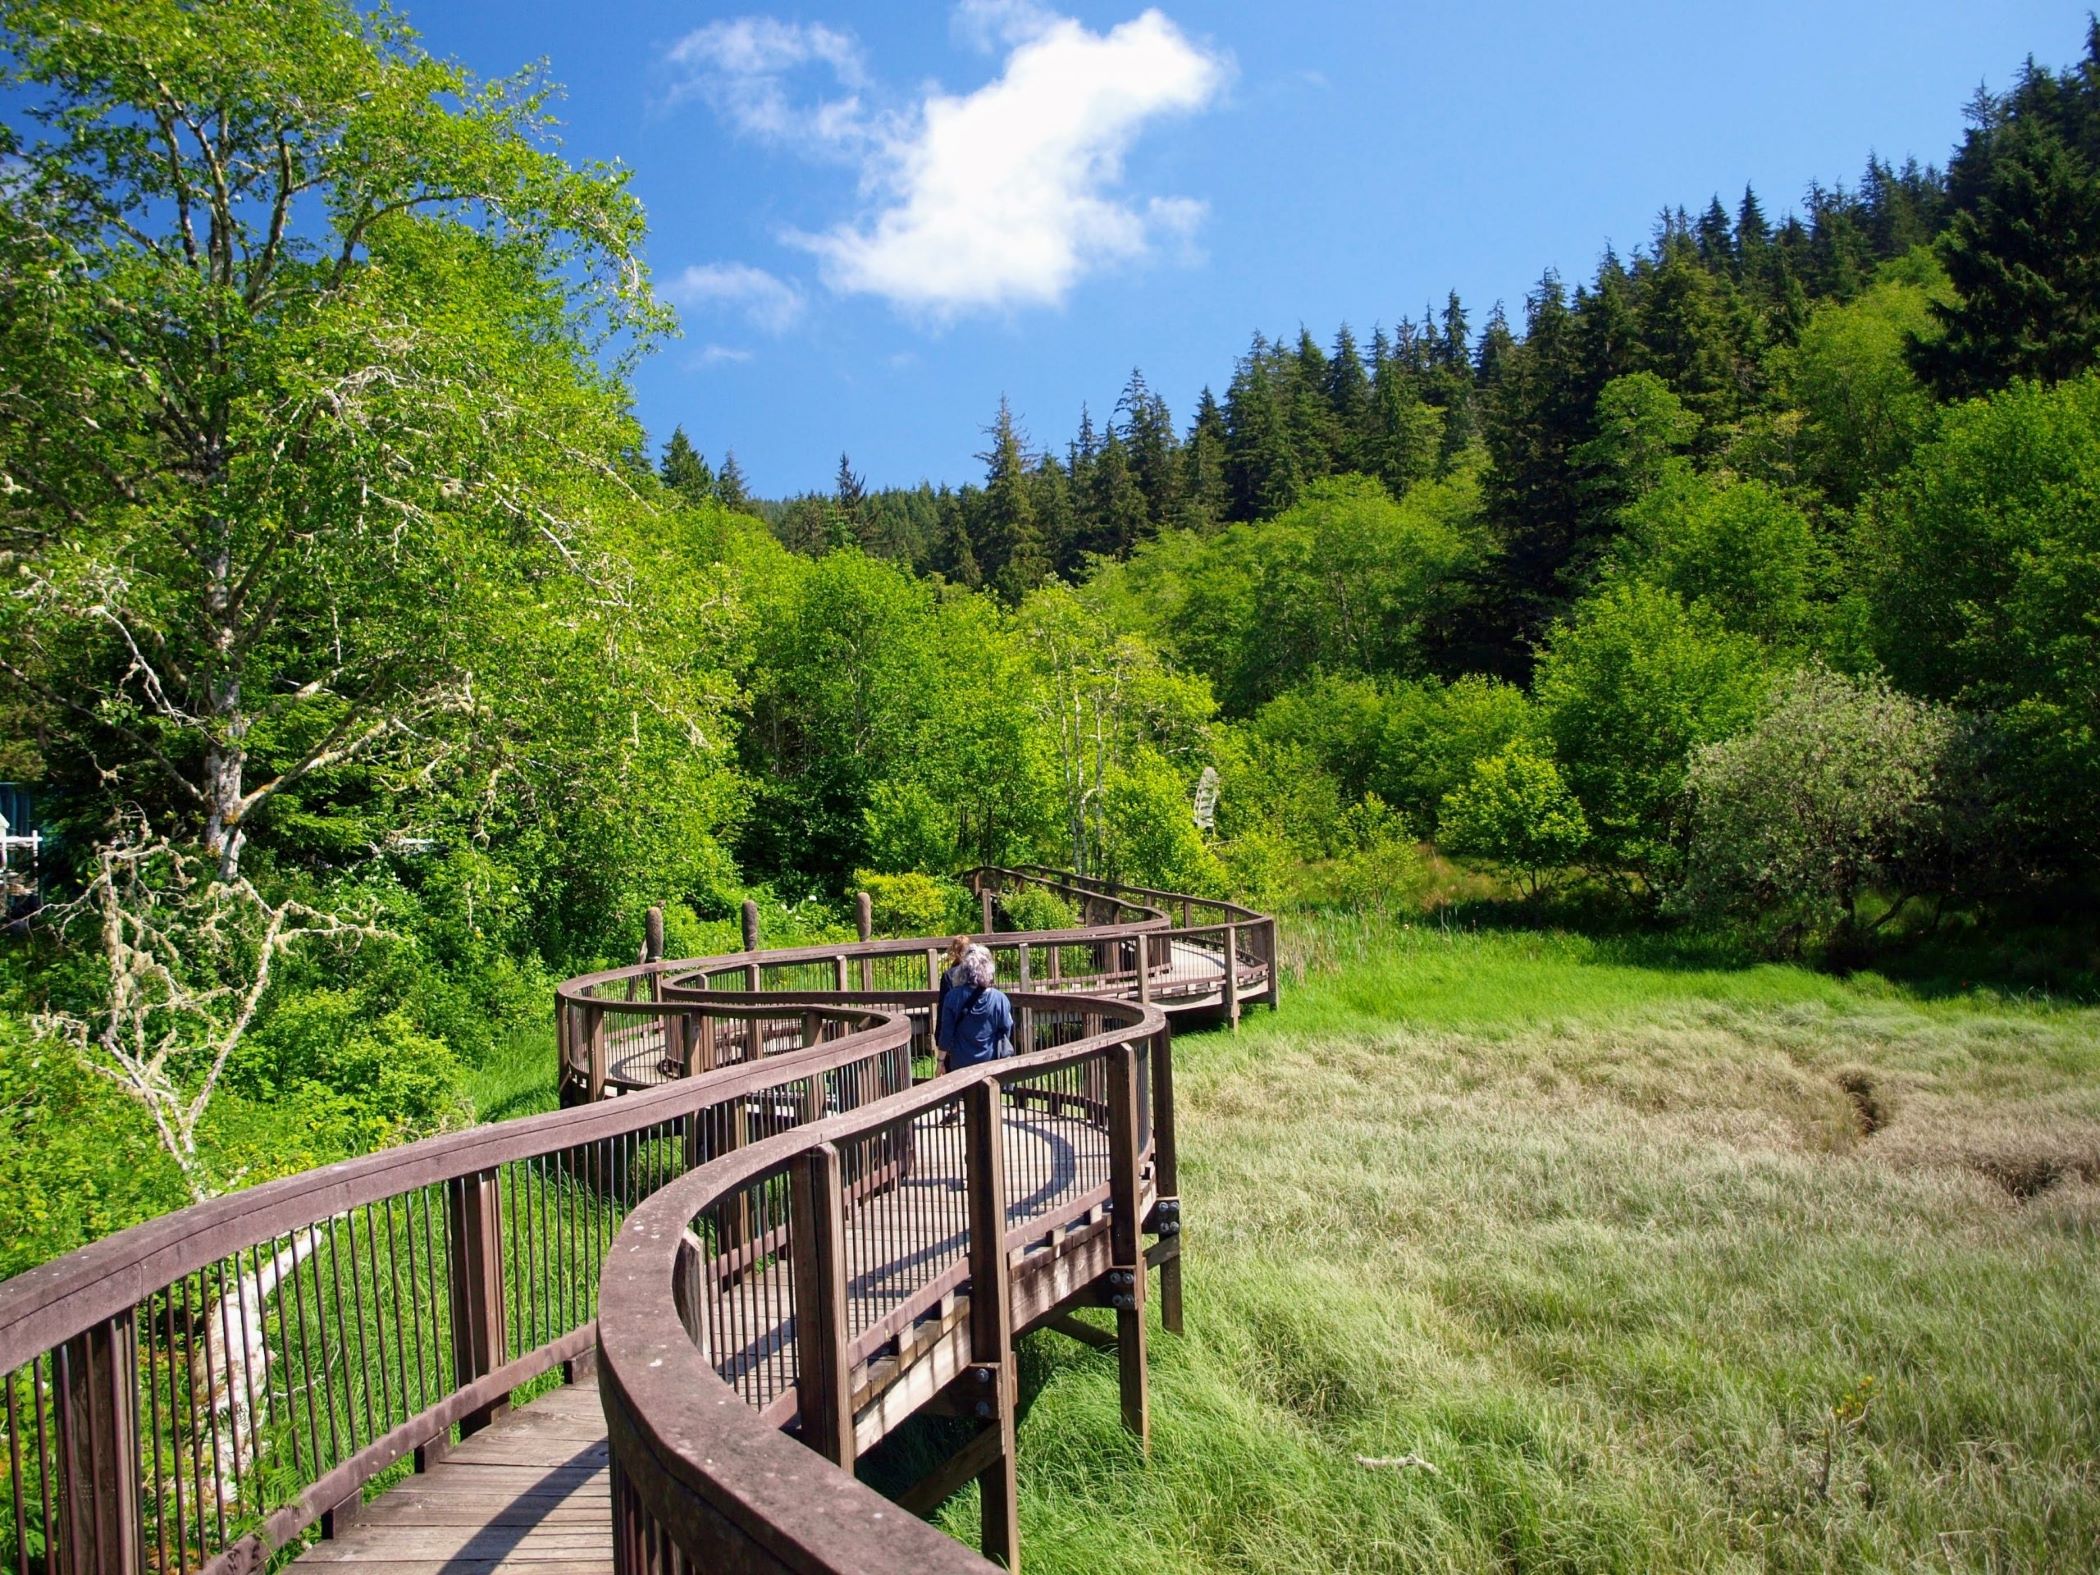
864, 915
1144, 972
1166, 1171
991, 1315
816, 1187
984, 900
1232, 974
594, 1039
474, 1255
98, 1450
1270, 926
1126, 1279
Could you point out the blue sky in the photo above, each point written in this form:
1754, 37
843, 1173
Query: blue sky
877, 218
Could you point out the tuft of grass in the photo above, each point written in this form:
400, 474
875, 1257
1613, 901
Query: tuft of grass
1619, 1237
516, 1077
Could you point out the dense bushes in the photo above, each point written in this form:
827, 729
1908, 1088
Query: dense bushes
1838, 789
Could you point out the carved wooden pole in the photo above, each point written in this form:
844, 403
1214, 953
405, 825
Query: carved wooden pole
864, 915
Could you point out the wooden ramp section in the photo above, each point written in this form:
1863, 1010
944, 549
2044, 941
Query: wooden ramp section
532, 1494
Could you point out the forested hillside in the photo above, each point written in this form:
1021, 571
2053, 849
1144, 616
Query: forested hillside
370, 668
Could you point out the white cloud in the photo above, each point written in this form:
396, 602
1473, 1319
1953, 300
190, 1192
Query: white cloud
721, 355
987, 24
744, 69
770, 302
1007, 196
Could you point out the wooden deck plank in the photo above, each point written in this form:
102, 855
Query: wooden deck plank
531, 1494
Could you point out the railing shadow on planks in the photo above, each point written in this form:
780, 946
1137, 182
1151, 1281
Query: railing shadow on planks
771, 1240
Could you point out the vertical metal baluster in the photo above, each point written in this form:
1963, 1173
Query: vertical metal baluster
409, 1407
551, 1290
386, 1414
357, 1305
21, 1488
43, 1456
284, 1346
152, 1440
189, 1324
240, 1284
440, 1295
335, 1285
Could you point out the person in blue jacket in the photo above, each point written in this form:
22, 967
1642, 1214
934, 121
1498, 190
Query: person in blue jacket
976, 1015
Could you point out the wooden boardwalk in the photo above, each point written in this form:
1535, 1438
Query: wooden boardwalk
530, 1494
531, 1491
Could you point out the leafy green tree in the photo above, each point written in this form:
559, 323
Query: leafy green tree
1834, 791
684, 470
1862, 407
1432, 733
1515, 809
1983, 561
297, 323
1627, 687
1739, 549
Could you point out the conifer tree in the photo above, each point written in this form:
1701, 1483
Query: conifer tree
729, 486
684, 470
2024, 258
1206, 499
849, 496
1349, 398
1012, 555
1118, 504
953, 554
1261, 467
1153, 450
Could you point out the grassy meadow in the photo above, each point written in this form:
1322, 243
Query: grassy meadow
1640, 1262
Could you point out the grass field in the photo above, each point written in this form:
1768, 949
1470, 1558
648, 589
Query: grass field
1650, 1262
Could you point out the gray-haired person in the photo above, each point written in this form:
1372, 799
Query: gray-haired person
976, 1014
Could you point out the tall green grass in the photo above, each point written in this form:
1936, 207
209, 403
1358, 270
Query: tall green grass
1607, 1235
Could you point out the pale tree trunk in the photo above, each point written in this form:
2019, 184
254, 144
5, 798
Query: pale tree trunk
230, 1364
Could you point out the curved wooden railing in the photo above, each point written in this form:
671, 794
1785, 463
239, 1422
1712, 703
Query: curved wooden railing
621, 1030
201, 1390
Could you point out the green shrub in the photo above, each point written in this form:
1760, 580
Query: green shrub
1836, 789
1515, 810
1034, 908
392, 1081
911, 905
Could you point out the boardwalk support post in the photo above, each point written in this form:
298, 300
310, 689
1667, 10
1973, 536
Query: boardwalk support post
822, 1333
1166, 1178
98, 1448
474, 1247
991, 1320
1232, 974
1126, 1280
984, 901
